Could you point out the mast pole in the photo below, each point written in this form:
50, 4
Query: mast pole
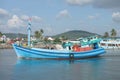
29, 32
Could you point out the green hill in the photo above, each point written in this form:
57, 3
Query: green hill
15, 35
75, 34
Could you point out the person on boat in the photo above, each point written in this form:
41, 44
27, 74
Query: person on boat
67, 45
75, 47
95, 46
63, 45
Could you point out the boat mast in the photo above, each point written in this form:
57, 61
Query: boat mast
29, 32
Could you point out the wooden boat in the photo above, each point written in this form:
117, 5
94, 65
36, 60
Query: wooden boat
27, 52
23, 52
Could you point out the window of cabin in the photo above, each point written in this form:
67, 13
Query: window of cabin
103, 44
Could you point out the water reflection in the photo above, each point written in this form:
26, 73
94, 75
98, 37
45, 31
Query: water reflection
89, 69
106, 67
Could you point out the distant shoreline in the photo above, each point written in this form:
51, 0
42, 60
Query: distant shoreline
9, 46
5, 46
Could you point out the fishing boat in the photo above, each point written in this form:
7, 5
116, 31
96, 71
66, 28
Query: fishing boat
110, 43
75, 52
23, 52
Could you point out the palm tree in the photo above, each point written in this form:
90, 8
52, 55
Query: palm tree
113, 33
41, 30
57, 40
38, 34
106, 34
0, 34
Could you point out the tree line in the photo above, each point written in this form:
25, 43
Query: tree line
38, 34
112, 33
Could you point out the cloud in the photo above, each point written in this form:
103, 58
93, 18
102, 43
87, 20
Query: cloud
111, 4
20, 21
91, 17
63, 14
24, 17
3, 13
15, 21
106, 4
116, 17
94, 17
10, 22
79, 2
36, 18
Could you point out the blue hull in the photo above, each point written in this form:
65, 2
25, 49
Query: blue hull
52, 54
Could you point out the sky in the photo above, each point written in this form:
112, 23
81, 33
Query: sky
58, 16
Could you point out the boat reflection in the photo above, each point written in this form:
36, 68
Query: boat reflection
58, 69
55, 61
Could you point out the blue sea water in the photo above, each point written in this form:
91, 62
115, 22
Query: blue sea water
106, 67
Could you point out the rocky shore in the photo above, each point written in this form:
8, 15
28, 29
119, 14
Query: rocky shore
5, 46
47, 46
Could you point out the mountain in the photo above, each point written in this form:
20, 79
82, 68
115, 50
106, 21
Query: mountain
75, 34
15, 35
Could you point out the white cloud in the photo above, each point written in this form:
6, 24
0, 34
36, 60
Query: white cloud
36, 18
92, 17
116, 17
24, 17
10, 22
15, 21
3, 13
63, 13
79, 2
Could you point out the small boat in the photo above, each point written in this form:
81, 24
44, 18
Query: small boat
110, 43
75, 53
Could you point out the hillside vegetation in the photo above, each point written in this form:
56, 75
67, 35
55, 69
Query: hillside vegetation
75, 34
